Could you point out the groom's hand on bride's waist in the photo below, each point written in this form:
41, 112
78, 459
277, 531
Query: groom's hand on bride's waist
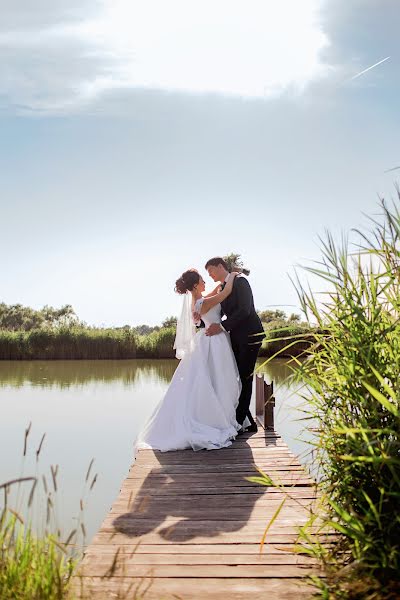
214, 329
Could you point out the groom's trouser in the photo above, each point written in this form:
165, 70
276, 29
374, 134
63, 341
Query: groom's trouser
246, 357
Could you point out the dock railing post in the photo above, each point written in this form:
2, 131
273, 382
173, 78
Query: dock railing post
265, 402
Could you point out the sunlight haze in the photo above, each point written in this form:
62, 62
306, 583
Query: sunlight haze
142, 138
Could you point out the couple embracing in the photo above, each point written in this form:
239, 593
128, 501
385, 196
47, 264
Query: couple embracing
207, 402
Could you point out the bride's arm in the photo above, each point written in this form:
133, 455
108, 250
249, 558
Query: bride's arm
209, 302
196, 315
215, 291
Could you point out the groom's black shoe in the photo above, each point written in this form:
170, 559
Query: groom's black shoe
241, 431
252, 428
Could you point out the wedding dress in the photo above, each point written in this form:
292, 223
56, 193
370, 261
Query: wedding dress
198, 410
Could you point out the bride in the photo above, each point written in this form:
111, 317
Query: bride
198, 410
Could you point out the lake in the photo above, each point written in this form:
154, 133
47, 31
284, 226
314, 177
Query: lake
95, 409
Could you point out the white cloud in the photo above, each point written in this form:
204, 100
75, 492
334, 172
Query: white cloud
253, 48
55, 59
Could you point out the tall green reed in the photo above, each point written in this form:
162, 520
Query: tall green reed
68, 343
352, 384
65, 343
37, 559
158, 344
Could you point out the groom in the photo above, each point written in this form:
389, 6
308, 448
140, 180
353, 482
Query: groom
246, 332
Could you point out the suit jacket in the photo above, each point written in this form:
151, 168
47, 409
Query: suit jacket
242, 321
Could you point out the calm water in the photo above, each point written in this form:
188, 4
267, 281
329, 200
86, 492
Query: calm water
95, 409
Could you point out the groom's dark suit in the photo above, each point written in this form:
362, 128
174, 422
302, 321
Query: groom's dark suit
247, 333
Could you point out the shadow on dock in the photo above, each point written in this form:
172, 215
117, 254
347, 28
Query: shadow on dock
186, 494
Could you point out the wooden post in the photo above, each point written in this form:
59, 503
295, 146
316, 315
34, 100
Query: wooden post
265, 402
269, 404
260, 398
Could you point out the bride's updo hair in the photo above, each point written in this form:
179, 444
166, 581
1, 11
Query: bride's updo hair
187, 281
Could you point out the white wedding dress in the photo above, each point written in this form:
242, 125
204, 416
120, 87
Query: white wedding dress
198, 410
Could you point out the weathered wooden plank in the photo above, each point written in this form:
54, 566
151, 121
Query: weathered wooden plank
246, 446
225, 499
95, 567
218, 476
262, 463
266, 442
134, 525
193, 483
232, 514
210, 549
176, 490
222, 454
193, 589
167, 536
163, 504
106, 558
282, 457
279, 465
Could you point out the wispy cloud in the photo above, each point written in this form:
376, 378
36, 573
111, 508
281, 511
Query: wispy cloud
55, 59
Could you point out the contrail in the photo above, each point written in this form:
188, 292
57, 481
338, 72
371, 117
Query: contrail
393, 169
369, 68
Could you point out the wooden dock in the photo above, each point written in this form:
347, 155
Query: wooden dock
187, 525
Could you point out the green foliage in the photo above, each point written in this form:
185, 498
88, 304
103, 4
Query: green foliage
67, 343
158, 344
49, 333
31, 567
279, 329
234, 261
37, 560
82, 342
169, 322
294, 318
23, 318
267, 316
145, 329
352, 377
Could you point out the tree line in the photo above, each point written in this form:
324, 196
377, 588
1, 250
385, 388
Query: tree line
16, 317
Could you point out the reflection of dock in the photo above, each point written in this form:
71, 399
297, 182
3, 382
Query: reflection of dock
188, 525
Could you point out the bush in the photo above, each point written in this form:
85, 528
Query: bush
285, 338
158, 344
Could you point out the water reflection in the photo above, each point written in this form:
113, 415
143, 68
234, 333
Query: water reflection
67, 373
96, 409
279, 370
64, 374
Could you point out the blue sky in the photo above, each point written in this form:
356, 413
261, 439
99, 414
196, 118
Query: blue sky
133, 148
